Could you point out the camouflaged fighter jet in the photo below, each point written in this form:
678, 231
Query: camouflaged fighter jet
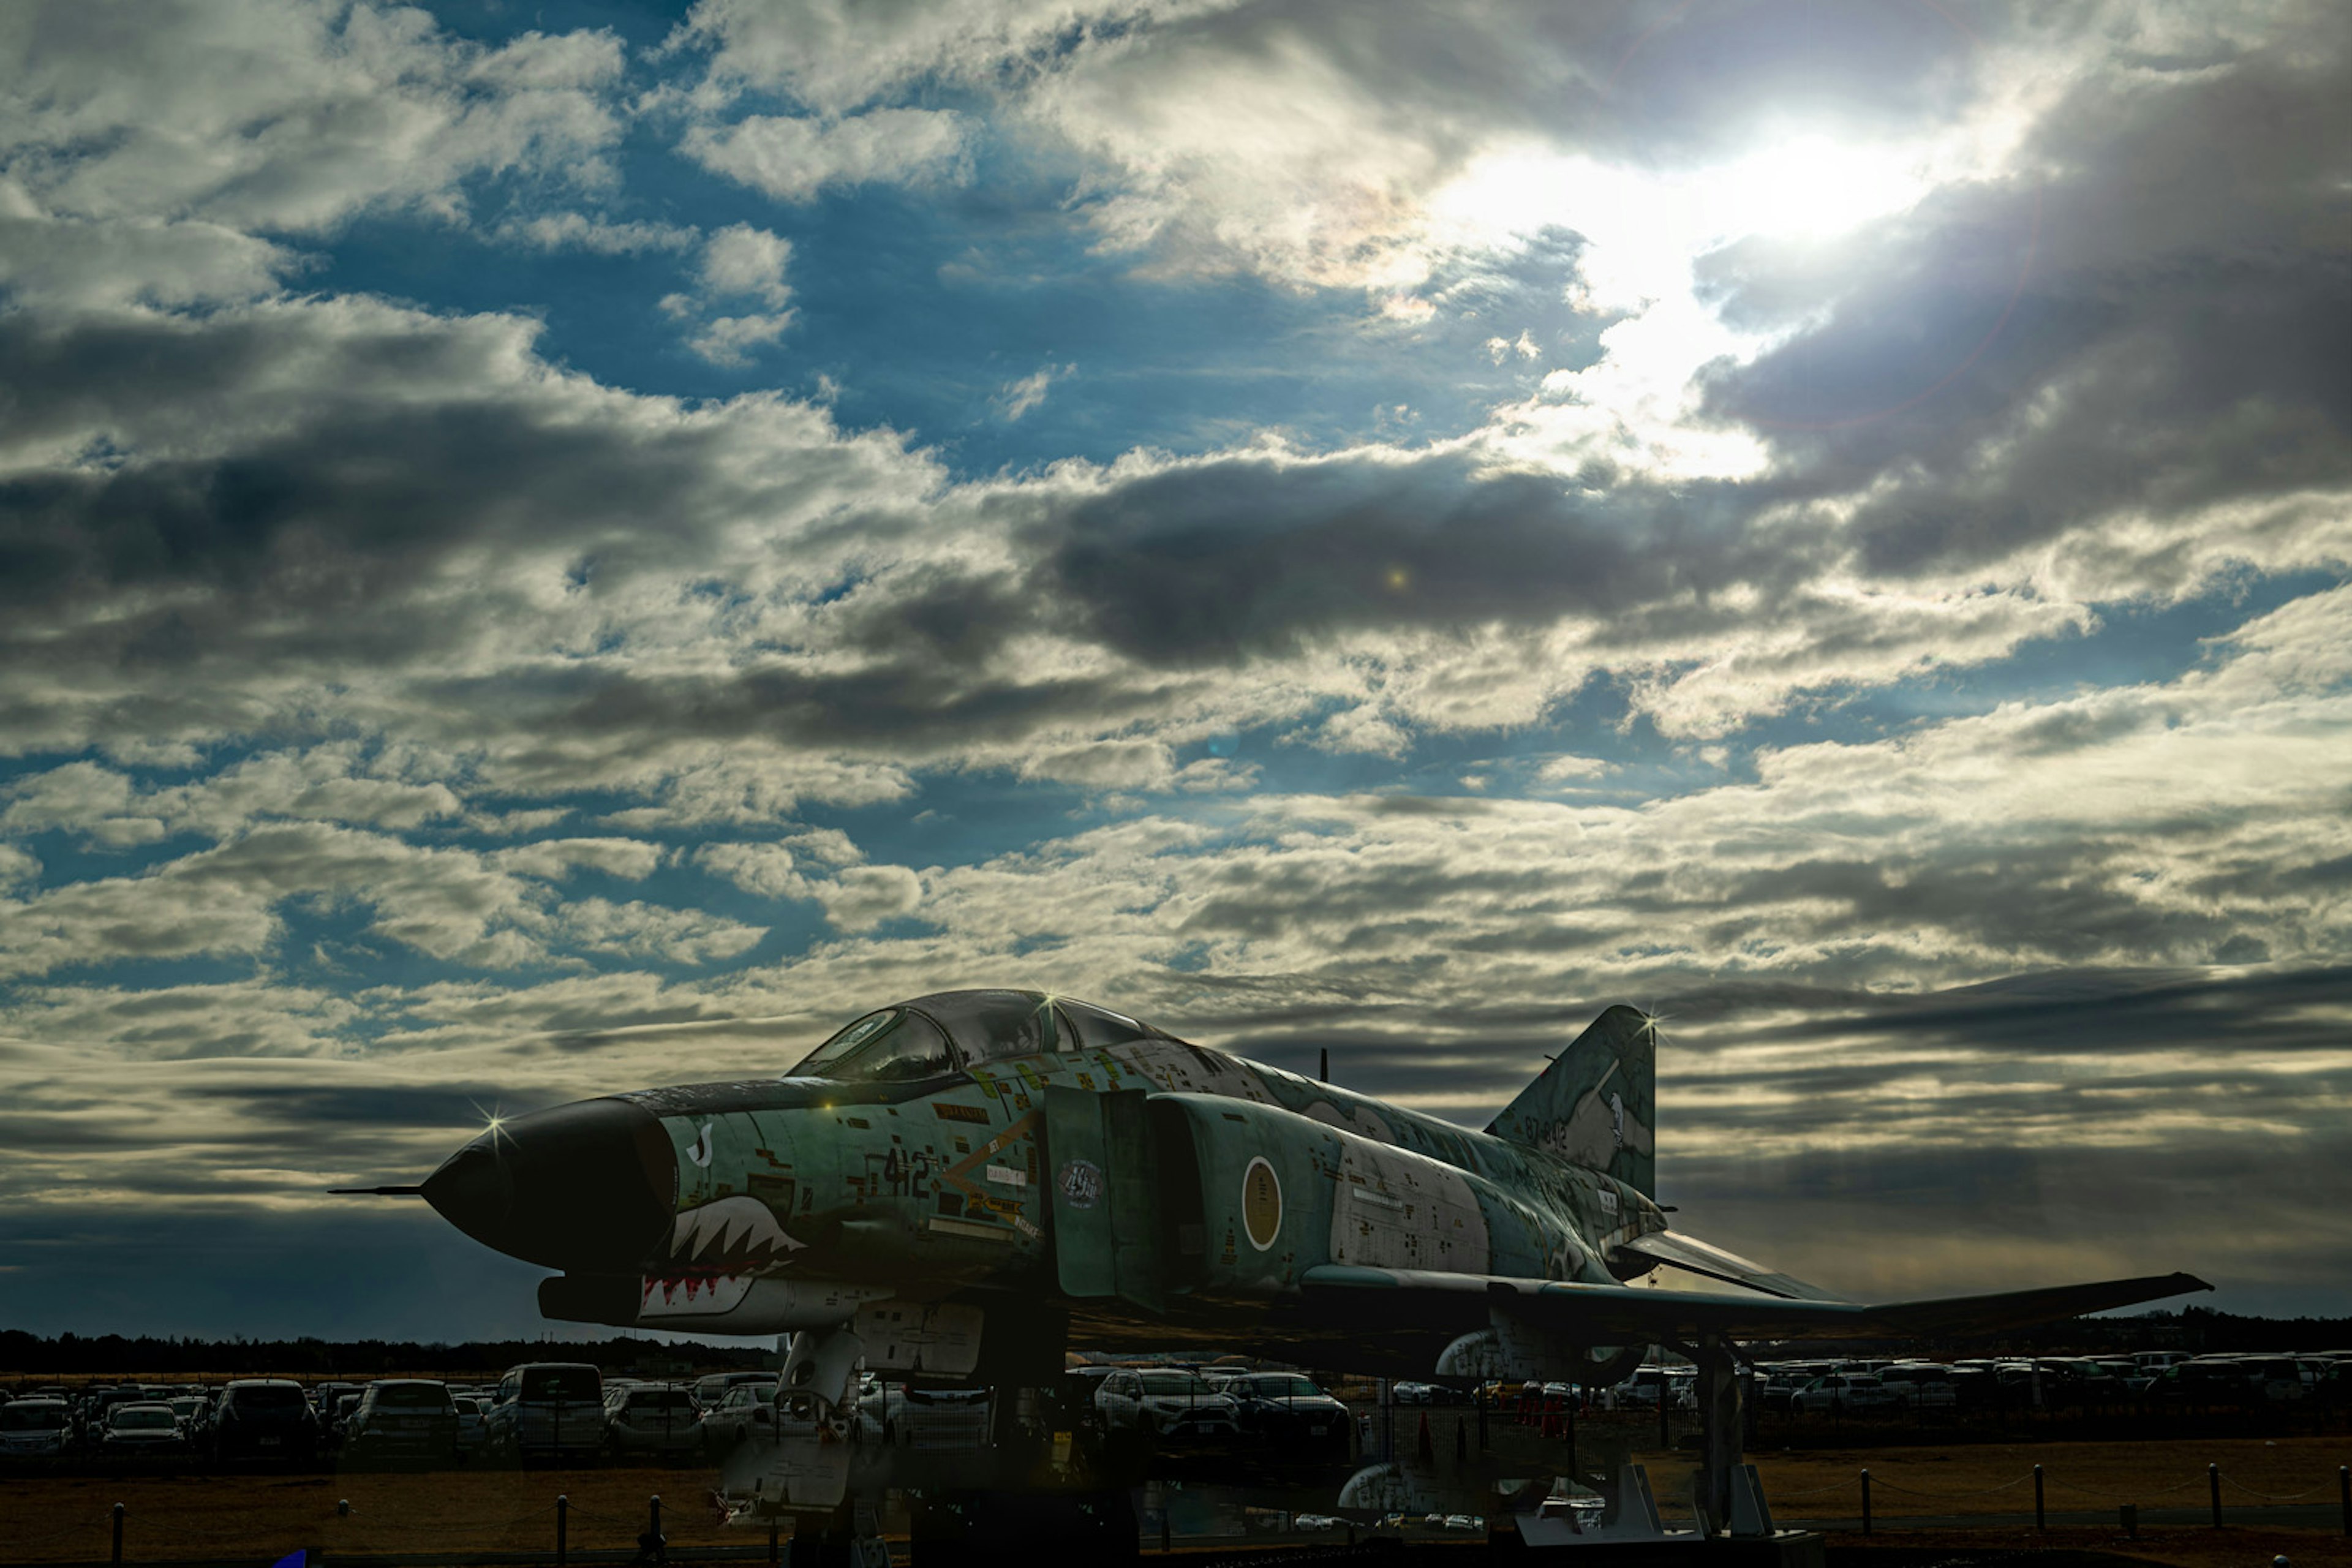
963, 1183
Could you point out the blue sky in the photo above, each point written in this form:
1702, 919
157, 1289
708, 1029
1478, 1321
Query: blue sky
551, 549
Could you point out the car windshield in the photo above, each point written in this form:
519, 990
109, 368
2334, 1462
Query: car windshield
143, 1418
562, 1382
1179, 1383
24, 1417
1282, 1388
266, 1396
411, 1395
893, 1045
675, 1399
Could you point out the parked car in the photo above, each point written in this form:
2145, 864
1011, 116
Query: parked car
1288, 1409
1845, 1392
1643, 1390
144, 1428
1920, 1385
929, 1419
1167, 1402
710, 1392
31, 1428
548, 1410
650, 1418
748, 1411
264, 1418
402, 1418
472, 1435
327, 1398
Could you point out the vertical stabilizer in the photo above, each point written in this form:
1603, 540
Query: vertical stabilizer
1596, 1105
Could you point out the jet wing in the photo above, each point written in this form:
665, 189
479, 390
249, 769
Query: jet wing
1611, 1314
1704, 1257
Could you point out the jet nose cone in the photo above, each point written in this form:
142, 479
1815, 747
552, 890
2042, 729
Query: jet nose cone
588, 1188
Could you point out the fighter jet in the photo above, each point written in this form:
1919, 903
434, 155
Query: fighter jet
967, 1184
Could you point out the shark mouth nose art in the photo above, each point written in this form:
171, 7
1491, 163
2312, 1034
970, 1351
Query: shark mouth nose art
732, 1235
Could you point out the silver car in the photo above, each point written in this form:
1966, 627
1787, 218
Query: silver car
33, 1428
144, 1429
650, 1419
1167, 1402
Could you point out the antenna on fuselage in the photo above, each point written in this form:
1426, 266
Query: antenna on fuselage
1323, 1073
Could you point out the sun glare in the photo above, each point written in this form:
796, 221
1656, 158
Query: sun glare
1644, 230
1812, 188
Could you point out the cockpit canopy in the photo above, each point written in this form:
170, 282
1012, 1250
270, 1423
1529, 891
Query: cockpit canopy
954, 1031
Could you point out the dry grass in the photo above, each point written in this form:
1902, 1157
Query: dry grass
2175, 1547
46, 1519
63, 1519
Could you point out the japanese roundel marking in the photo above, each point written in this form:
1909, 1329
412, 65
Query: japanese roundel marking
1261, 1204
1081, 1182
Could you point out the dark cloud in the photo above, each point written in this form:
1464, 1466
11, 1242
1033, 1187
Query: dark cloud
1257, 557
375, 1268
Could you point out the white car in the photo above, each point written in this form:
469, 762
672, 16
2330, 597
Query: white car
1920, 1386
35, 1427
1845, 1391
748, 1411
926, 1418
1167, 1402
647, 1418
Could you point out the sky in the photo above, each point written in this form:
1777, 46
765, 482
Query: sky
551, 549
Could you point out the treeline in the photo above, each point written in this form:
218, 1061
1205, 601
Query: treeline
2194, 1329
23, 1355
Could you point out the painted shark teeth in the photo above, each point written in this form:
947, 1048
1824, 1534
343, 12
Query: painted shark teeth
691, 1294
733, 1236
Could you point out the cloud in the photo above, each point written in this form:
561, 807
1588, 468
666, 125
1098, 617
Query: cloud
572, 230
863, 896
275, 115
637, 929
767, 869
793, 160
738, 262
1015, 398
742, 260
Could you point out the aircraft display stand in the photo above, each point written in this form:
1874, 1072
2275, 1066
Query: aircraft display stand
1733, 1524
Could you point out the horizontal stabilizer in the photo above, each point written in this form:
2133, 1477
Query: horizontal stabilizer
1704, 1257
1611, 1314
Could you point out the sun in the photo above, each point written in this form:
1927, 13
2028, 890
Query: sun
1810, 188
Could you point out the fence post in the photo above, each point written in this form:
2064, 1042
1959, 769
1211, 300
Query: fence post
2344, 1491
2128, 1515
656, 1549
2038, 1524
562, 1527
1866, 1501
2213, 1481
117, 1558
772, 1556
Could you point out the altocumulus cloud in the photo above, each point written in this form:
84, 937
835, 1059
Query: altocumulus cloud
1903, 641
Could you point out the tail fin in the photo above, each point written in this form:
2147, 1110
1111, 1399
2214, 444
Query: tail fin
1596, 1105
